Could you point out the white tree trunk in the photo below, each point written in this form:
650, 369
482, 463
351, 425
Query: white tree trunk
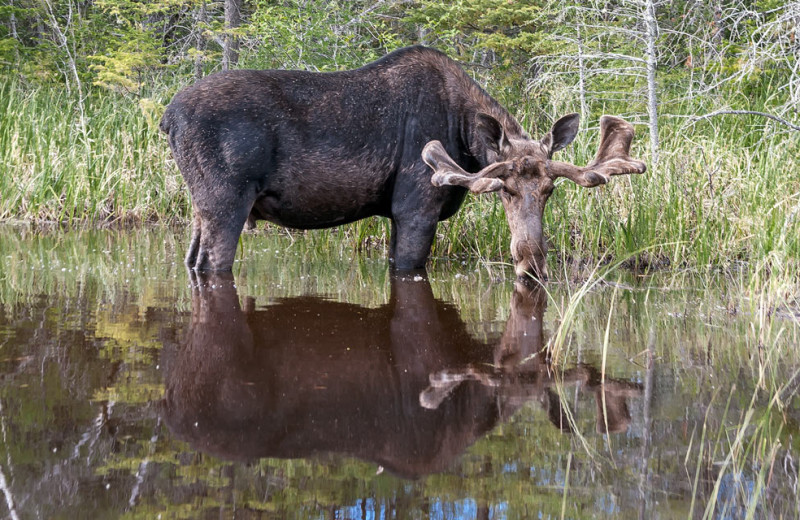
201, 17
582, 76
13, 22
652, 87
63, 42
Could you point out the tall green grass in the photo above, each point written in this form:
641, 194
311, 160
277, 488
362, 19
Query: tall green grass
726, 194
57, 168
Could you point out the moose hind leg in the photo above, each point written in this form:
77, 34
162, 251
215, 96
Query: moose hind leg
219, 236
194, 242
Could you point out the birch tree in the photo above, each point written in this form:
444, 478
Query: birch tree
648, 7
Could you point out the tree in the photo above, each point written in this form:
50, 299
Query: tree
230, 46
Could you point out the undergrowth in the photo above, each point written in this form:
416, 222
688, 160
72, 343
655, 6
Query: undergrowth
725, 195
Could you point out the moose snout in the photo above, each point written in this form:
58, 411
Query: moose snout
529, 260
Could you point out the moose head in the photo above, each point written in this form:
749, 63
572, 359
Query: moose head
521, 169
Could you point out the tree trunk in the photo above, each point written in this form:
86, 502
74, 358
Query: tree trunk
233, 19
652, 92
200, 19
582, 75
13, 22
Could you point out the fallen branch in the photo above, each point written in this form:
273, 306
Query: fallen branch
748, 112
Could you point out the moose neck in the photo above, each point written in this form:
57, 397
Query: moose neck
464, 92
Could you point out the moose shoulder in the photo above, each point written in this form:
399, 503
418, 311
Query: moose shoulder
312, 150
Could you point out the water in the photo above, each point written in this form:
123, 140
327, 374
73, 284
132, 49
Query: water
312, 384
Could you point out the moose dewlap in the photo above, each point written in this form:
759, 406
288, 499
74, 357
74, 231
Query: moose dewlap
313, 150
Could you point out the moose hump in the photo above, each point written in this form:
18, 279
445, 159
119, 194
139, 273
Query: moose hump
404, 137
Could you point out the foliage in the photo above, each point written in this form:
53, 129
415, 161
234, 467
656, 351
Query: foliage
319, 34
719, 196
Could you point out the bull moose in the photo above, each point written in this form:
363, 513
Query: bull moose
403, 385
399, 138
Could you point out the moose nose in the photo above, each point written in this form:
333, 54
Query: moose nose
531, 269
529, 259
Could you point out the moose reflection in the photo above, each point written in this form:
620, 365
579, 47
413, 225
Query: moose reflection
403, 385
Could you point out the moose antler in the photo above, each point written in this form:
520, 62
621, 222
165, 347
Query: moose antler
448, 173
612, 156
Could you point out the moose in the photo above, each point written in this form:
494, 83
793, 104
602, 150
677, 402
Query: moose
404, 137
403, 385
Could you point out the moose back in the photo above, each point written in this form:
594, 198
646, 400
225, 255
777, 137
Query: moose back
398, 138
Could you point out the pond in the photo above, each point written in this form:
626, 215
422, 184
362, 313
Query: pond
314, 384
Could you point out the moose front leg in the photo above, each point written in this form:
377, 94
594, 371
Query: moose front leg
411, 240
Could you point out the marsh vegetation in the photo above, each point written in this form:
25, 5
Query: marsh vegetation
83, 88
680, 285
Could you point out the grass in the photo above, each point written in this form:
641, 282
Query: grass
725, 196
118, 169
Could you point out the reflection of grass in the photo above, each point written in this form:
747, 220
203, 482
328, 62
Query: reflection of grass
739, 449
715, 436
753, 446
58, 262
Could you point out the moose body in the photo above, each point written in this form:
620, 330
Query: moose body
313, 150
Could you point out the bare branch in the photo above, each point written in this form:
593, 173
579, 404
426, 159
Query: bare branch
748, 112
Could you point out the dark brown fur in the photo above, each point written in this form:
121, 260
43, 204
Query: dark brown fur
314, 150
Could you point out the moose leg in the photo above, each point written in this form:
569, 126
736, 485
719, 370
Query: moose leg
194, 242
219, 234
412, 237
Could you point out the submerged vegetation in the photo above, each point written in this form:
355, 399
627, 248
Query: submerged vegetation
83, 87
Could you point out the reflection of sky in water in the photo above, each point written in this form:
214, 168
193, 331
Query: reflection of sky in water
442, 510
607, 504
439, 510
736, 493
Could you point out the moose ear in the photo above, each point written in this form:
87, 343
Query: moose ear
563, 132
492, 134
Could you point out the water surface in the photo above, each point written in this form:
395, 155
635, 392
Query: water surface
313, 384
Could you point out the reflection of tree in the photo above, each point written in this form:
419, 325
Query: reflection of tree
54, 435
81, 435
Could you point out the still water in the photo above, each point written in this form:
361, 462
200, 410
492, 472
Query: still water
313, 384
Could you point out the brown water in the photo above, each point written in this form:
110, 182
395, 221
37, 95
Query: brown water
312, 384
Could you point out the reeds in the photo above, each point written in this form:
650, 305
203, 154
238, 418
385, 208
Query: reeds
117, 170
725, 196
